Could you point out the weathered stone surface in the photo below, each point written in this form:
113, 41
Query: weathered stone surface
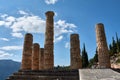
41, 59
102, 48
35, 56
27, 52
98, 74
76, 61
49, 37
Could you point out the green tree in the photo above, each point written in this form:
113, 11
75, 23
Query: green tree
94, 60
117, 43
96, 56
84, 57
110, 50
114, 46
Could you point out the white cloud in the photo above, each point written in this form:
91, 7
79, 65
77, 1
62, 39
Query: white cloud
57, 39
33, 24
67, 45
10, 19
27, 23
18, 35
61, 27
6, 20
50, 1
56, 14
2, 23
8, 48
4, 39
4, 15
22, 12
5, 54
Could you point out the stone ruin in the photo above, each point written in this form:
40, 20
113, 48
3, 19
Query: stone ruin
75, 57
38, 63
36, 58
102, 48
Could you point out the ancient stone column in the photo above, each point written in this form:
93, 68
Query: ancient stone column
27, 52
102, 48
35, 56
41, 59
75, 60
49, 37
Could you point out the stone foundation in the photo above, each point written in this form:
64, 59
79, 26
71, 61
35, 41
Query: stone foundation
45, 75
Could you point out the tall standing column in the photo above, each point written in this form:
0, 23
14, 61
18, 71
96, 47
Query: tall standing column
41, 59
76, 61
102, 48
49, 38
27, 52
35, 56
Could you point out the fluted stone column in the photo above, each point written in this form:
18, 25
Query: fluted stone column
102, 48
35, 56
41, 59
49, 37
76, 61
27, 52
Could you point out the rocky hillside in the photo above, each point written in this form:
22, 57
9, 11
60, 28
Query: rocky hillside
115, 61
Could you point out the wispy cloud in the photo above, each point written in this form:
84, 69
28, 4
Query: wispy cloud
8, 48
59, 38
5, 54
16, 34
4, 39
22, 12
67, 45
50, 1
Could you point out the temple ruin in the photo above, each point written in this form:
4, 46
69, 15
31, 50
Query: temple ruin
38, 63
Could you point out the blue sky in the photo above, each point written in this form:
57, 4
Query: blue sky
18, 17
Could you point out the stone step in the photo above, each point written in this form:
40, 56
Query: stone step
45, 75
48, 73
42, 77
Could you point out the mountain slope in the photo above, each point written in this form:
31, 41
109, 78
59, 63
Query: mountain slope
7, 67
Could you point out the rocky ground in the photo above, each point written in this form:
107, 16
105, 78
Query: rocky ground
115, 61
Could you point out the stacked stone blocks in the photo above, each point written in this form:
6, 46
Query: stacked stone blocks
76, 61
35, 56
102, 48
49, 38
27, 52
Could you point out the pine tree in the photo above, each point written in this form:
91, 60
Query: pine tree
84, 57
94, 60
110, 50
96, 56
114, 46
117, 43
